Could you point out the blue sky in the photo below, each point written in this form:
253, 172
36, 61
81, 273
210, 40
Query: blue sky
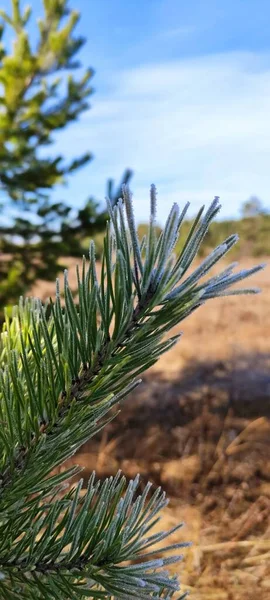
182, 96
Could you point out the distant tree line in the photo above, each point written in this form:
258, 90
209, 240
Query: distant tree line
253, 227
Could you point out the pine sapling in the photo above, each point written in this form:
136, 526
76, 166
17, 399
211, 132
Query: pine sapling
64, 366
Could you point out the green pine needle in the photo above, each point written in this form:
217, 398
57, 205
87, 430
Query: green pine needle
64, 367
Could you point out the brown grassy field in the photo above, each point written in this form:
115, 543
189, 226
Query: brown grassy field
200, 425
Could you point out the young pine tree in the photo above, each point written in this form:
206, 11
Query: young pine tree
64, 366
40, 96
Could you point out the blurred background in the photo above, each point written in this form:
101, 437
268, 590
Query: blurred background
94, 93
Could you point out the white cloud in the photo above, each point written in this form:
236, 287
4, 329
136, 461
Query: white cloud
197, 128
179, 33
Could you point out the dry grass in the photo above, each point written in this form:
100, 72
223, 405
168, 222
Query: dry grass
200, 426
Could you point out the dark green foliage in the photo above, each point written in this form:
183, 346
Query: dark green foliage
58, 233
39, 96
63, 367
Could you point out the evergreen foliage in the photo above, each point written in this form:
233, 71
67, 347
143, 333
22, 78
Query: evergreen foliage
40, 96
64, 366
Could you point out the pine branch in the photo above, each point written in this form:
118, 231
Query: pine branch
63, 369
85, 540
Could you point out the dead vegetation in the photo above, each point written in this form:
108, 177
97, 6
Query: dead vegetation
200, 426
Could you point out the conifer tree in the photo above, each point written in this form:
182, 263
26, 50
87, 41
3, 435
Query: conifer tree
39, 96
64, 367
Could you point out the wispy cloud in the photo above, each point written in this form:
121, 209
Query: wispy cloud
179, 32
196, 127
